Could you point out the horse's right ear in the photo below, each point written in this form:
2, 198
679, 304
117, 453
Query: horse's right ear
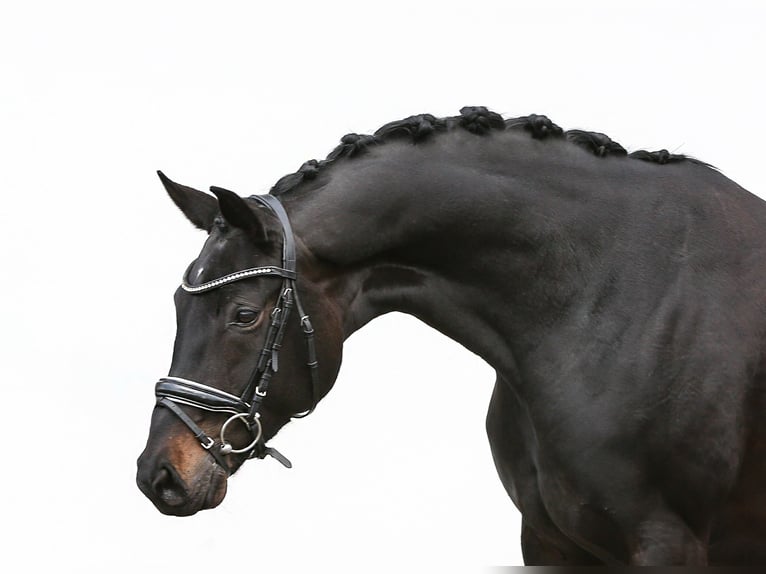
199, 207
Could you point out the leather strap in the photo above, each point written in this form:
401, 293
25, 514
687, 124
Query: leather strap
232, 277
288, 244
198, 395
205, 441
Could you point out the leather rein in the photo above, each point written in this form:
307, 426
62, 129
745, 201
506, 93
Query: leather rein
173, 392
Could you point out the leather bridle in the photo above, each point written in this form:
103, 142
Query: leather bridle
172, 392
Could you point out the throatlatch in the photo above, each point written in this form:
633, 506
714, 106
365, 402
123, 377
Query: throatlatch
172, 392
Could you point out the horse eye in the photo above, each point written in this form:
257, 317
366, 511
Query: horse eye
245, 316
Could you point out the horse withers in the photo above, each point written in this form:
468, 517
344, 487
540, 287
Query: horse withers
618, 296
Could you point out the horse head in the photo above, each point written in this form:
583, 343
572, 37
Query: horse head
241, 325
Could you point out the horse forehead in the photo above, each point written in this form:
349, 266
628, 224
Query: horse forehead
222, 255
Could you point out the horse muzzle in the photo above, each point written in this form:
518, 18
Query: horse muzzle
179, 484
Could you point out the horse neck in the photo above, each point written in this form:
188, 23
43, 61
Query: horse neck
453, 234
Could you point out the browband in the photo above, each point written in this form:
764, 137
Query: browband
232, 277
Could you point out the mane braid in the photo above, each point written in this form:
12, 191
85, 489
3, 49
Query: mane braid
477, 120
539, 126
663, 157
416, 128
599, 144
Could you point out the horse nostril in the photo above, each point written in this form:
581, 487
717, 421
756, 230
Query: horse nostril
168, 487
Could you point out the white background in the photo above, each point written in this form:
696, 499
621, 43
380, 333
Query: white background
393, 470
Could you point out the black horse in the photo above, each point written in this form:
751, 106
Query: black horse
619, 297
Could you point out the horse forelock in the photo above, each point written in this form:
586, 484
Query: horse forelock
480, 121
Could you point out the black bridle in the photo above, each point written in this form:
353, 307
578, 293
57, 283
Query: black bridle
174, 391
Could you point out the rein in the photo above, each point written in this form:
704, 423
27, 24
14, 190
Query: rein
173, 392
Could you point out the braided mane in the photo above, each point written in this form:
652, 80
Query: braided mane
477, 120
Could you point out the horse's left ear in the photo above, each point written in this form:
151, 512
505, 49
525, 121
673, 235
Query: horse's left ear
199, 207
238, 213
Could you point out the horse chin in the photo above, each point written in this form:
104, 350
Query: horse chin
216, 491
207, 492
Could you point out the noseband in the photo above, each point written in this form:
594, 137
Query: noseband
172, 392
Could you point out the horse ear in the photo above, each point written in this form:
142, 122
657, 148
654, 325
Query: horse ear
199, 207
238, 213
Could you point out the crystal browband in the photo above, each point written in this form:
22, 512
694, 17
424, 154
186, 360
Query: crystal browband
238, 276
